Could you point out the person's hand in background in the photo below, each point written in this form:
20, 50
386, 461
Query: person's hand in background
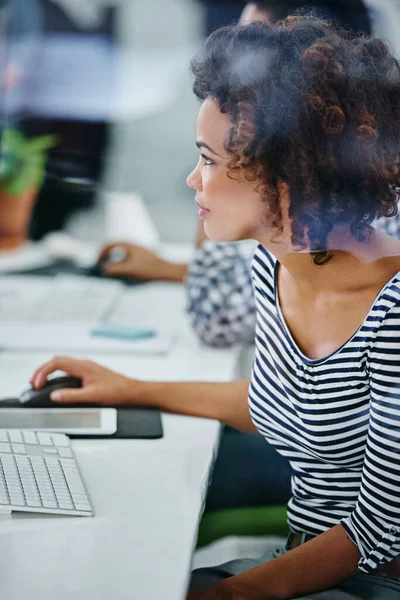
141, 263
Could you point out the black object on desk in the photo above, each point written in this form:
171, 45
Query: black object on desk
34, 398
68, 267
134, 422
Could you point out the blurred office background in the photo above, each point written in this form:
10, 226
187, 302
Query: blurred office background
111, 79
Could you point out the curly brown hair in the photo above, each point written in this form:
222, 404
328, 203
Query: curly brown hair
315, 108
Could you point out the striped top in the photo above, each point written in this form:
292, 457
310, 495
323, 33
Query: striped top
337, 419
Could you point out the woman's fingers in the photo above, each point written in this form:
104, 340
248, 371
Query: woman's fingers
72, 396
121, 268
105, 250
72, 366
108, 247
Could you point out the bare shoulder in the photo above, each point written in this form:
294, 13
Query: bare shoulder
386, 252
380, 258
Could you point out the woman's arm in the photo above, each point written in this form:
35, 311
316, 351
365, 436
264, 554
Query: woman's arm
320, 563
226, 402
141, 263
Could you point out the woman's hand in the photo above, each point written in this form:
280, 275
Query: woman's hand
99, 385
141, 263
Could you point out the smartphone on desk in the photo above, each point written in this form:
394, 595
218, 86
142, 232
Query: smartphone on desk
73, 421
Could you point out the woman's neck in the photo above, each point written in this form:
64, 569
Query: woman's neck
350, 266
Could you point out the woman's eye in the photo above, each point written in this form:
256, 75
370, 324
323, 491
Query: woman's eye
207, 161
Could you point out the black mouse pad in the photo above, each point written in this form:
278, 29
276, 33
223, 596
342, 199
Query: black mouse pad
143, 423
135, 422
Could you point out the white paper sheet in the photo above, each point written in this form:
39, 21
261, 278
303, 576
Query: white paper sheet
74, 338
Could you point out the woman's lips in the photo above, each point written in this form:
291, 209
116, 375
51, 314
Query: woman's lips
203, 211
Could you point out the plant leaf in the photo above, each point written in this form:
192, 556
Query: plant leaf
22, 161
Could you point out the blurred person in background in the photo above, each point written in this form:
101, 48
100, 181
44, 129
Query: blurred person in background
220, 12
352, 14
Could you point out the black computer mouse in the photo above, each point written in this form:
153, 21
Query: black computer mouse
116, 255
41, 398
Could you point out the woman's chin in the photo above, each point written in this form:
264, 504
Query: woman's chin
219, 234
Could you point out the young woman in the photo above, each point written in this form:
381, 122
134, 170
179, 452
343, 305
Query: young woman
299, 138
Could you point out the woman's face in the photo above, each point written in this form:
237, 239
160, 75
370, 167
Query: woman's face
232, 210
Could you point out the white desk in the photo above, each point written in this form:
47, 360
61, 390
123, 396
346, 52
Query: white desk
139, 545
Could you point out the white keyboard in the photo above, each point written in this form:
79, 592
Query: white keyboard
62, 299
79, 299
39, 473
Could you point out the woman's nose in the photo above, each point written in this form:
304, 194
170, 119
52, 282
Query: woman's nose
194, 180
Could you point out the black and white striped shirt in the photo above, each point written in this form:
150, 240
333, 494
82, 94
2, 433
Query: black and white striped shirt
337, 419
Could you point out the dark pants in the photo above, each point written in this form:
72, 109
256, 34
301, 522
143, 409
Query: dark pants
248, 472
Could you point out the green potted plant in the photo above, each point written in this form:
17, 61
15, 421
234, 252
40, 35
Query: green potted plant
22, 170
